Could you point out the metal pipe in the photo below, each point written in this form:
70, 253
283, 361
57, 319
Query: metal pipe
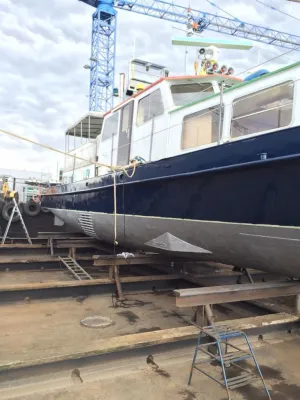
221, 112
151, 138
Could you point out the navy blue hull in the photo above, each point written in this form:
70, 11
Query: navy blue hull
228, 183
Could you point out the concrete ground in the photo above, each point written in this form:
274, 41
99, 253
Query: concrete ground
33, 330
279, 361
41, 329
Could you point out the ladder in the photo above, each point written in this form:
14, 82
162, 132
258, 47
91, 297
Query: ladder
17, 210
218, 338
75, 268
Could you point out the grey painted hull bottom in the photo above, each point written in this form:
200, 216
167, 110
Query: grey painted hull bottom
268, 248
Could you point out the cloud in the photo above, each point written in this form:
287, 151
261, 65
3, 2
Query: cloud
43, 87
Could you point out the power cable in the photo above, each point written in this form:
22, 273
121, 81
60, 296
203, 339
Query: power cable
277, 9
226, 12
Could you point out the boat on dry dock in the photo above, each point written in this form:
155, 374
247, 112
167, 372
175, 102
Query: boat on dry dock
218, 178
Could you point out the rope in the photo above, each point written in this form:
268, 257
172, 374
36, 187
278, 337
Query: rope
113, 168
115, 210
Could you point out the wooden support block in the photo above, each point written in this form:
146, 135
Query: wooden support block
204, 315
72, 252
233, 293
111, 272
51, 246
297, 304
118, 282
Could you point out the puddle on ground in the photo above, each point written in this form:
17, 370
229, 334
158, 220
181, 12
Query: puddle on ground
267, 372
279, 391
131, 317
187, 394
285, 391
162, 372
144, 330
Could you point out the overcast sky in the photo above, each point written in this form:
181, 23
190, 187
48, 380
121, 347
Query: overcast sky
44, 45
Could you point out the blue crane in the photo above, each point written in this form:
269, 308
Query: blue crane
104, 26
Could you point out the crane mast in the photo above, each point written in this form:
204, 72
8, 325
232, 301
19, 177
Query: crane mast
103, 53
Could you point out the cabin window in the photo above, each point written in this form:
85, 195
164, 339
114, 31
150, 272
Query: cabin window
150, 107
110, 126
262, 111
200, 128
86, 174
126, 117
187, 93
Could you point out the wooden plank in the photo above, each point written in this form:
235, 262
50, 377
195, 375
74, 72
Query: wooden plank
233, 293
73, 283
64, 244
148, 278
103, 261
59, 235
23, 246
29, 259
140, 340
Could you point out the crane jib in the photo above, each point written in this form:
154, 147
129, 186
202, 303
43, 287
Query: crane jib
103, 54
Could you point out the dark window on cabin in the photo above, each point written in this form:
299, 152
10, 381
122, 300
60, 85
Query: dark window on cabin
110, 126
187, 93
126, 117
149, 107
263, 111
200, 128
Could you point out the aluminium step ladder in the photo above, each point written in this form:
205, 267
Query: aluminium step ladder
75, 268
218, 336
16, 209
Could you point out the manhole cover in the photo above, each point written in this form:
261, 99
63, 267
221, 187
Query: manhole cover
96, 322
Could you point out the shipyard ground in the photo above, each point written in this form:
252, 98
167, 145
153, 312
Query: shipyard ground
279, 361
39, 330
46, 353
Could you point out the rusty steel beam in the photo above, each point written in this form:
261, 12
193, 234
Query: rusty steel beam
233, 293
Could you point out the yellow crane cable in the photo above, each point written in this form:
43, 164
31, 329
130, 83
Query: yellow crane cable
113, 168
44, 146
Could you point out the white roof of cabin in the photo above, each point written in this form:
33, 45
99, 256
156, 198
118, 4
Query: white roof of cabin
89, 126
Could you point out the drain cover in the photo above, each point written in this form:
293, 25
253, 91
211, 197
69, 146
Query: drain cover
96, 322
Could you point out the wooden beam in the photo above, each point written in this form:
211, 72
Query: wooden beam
59, 243
29, 259
140, 340
23, 246
233, 293
94, 282
60, 235
64, 244
103, 261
